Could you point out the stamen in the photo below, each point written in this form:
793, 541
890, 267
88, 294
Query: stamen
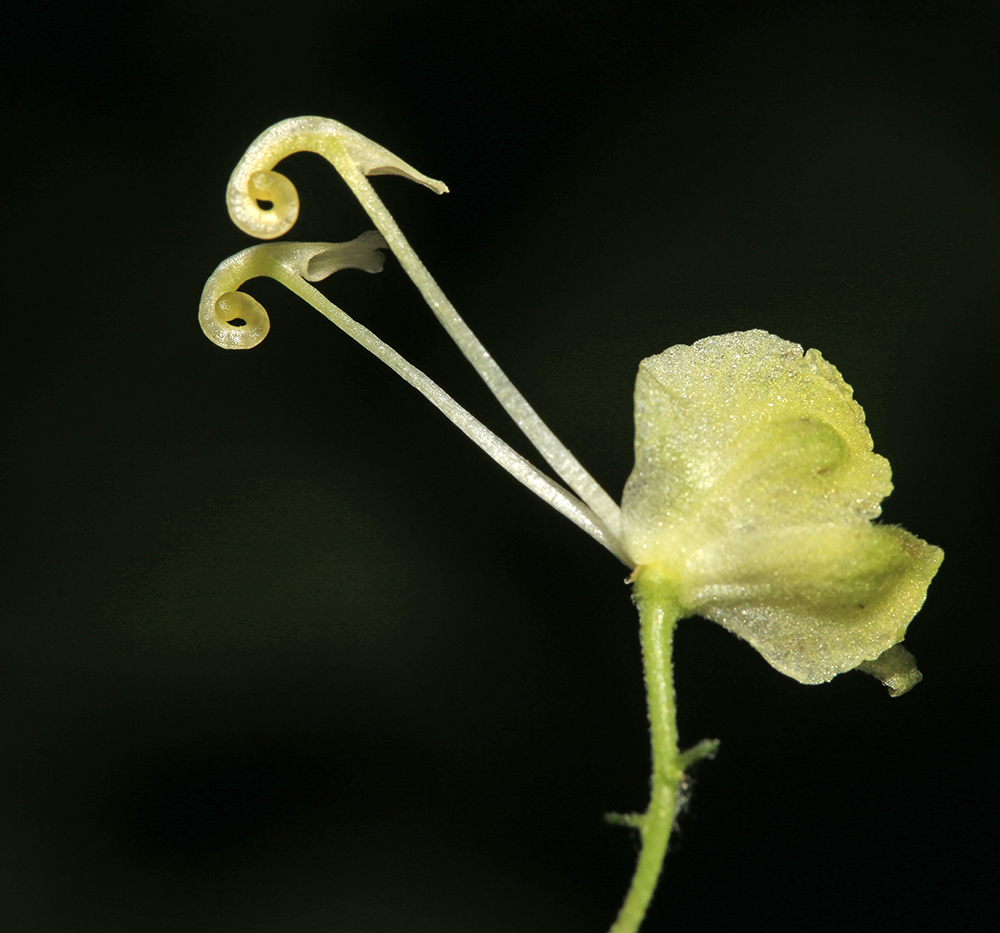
354, 156
293, 263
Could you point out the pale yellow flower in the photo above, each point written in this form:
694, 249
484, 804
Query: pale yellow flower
754, 491
753, 498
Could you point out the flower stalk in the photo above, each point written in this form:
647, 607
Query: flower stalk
659, 611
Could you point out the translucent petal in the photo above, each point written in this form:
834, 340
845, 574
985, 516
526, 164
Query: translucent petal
744, 430
814, 600
754, 488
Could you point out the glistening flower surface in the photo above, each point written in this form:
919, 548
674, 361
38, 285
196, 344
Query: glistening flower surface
754, 490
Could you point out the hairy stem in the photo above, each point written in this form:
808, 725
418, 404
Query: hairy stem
659, 611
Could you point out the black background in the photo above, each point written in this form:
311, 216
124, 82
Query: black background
281, 651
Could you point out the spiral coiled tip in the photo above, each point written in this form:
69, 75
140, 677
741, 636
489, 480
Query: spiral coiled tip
248, 194
236, 321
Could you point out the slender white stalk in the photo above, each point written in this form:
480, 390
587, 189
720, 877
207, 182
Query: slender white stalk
288, 263
354, 156
522, 470
556, 454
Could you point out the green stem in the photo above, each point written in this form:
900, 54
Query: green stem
659, 611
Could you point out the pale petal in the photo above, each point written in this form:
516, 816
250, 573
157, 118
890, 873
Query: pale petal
753, 490
816, 600
739, 430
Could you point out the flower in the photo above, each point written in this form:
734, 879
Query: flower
755, 487
754, 492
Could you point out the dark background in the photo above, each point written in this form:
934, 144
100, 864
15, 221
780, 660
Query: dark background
281, 651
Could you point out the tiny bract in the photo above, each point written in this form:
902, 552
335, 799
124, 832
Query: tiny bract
753, 497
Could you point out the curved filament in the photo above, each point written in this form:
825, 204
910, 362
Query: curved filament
355, 156
254, 180
234, 320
